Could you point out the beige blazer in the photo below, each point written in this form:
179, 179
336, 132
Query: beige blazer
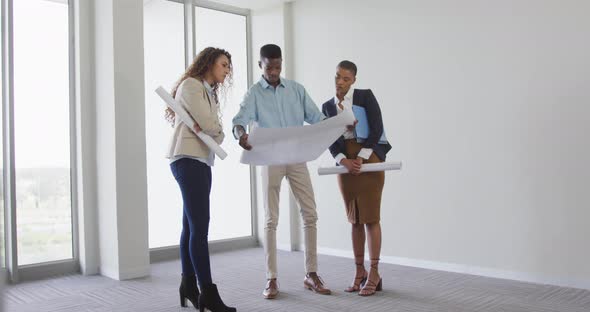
193, 96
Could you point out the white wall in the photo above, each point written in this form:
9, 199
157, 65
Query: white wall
267, 27
486, 104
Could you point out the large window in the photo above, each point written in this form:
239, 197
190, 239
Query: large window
42, 131
230, 195
166, 47
164, 63
36, 219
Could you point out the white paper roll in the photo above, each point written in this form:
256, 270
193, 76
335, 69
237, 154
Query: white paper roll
188, 120
365, 168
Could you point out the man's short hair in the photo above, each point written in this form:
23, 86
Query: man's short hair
270, 51
348, 65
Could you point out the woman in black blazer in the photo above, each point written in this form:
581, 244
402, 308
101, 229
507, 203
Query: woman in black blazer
361, 192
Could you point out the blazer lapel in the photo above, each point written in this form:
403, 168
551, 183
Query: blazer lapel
332, 108
357, 98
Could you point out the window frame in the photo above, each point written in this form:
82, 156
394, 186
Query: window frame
13, 271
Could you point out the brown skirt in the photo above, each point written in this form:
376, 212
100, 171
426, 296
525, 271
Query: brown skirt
362, 193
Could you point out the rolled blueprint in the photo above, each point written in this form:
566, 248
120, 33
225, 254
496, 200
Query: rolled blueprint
365, 168
188, 120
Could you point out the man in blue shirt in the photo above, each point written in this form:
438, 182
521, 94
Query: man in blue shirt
275, 102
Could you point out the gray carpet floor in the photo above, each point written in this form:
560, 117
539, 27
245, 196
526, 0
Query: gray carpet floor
240, 278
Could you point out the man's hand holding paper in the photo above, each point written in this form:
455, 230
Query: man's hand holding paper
291, 145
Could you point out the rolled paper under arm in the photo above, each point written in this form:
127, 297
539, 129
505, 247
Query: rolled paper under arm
188, 120
365, 168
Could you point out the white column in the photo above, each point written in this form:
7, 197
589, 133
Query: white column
120, 139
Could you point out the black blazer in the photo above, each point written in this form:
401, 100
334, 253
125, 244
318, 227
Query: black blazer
366, 99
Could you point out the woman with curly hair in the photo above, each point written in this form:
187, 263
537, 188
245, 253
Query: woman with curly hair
190, 161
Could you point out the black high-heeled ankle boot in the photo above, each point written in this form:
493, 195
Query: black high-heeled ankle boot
188, 290
210, 300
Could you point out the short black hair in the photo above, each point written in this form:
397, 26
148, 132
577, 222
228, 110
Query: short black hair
348, 65
270, 51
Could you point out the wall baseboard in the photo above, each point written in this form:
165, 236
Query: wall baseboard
287, 247
116, 274
469, 269
135, 273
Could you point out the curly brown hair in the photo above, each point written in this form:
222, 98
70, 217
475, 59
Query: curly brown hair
202, 64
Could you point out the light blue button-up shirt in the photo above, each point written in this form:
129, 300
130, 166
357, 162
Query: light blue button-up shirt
287, 105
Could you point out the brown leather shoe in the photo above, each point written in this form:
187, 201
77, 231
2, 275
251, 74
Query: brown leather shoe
313, 282
271, 290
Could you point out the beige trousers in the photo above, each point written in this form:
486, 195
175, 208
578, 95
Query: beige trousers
300, 182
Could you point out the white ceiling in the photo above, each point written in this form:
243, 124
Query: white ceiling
245, 4
59, 1
252, 4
